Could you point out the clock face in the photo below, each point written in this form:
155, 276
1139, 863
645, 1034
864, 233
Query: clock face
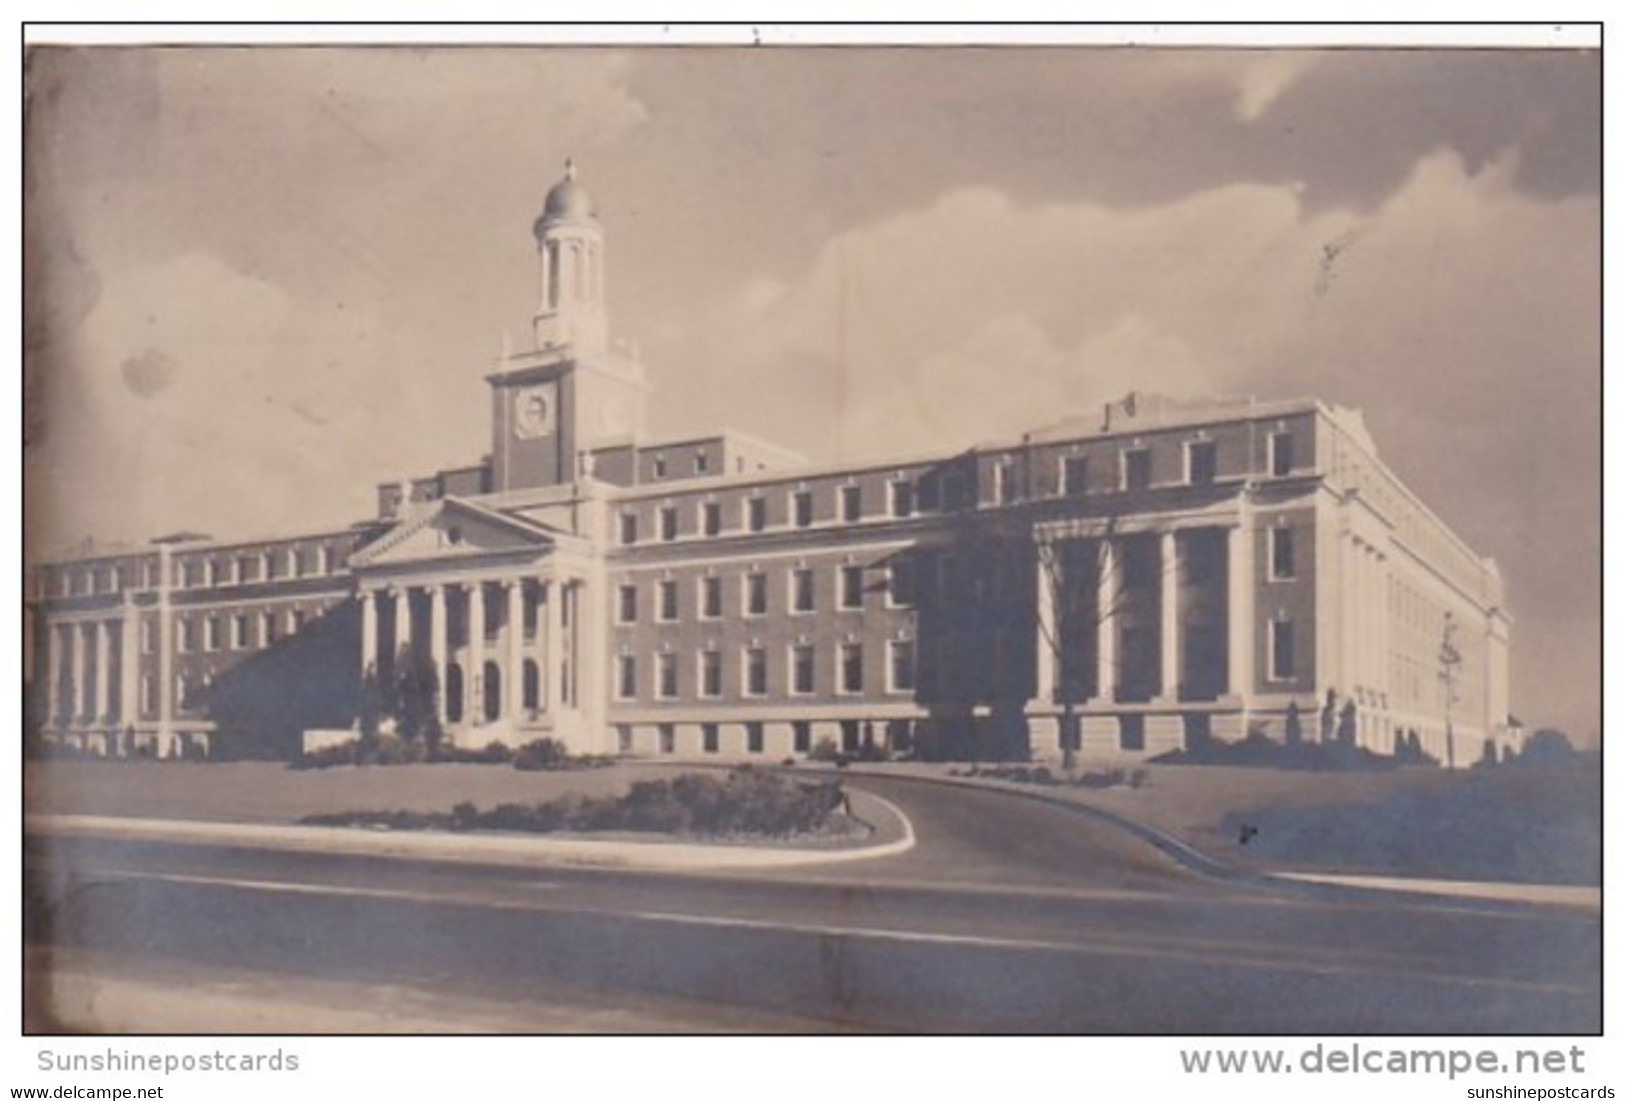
533, 412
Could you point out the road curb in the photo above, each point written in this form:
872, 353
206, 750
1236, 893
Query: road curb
505, 849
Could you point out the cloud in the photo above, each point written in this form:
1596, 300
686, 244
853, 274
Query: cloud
1265, 80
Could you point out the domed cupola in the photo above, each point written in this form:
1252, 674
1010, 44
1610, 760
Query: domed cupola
567, 201
570, 254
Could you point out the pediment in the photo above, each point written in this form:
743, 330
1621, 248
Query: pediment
453, 529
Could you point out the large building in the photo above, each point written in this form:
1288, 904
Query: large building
1151, 575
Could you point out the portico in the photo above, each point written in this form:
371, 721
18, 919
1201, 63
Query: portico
485, 607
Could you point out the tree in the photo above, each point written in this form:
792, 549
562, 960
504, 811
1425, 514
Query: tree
1294, 724
1449, 673
1347, 723
371, 706
1067, 569
416, 699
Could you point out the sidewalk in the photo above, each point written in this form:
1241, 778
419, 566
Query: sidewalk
890, 833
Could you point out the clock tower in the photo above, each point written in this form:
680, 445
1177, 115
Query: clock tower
571, 392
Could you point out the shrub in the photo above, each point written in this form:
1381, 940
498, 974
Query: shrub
345, 753
746, 802
825, 749
492, 753
543, 754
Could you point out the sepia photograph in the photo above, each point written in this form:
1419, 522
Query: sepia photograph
781, 538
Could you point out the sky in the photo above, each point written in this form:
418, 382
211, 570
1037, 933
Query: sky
260, 281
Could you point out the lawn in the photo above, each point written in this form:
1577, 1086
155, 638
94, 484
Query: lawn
257, 791
1530, 824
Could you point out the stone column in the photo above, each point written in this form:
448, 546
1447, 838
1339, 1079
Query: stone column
104, 652
1107, 595
403, 621
1048, 576
553, 673
474, 675
1363, 598
1169, 605
1348, 643
81, 670
129, 694
514, 678
1239, 609
57, 648
369, 634
437, 646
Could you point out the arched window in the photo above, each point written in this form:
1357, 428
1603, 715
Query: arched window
493, 691
533, 686
454, 693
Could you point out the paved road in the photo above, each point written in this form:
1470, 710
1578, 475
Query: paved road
1009, 915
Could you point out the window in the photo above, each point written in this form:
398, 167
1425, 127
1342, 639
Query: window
756, 513
709, 737
149, 636
668, 601
1281, 564
902, 499
629, 528
668, 738
710, 673
1201, 462
666, 676
239, 632
953, 492
660, 466
801, 508
753, 737
626, 610
710, 597
626, 676
900, 583
217, 572
1280, 454
668, 524
755, 671
623, 739
1004, 483
211, 633
803, 667
900, 665
851, 504
756, 594
801, 736
1137, 469
851, 654
1281, 656
801, 590
268, 628
702, 462
851, 586
245, 570
1074, 475
327, 559
296, 621
711, 518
